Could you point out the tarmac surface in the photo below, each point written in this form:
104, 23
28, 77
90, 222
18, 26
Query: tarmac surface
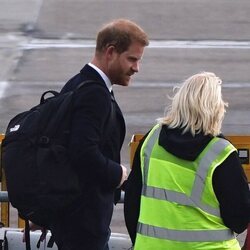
45, 42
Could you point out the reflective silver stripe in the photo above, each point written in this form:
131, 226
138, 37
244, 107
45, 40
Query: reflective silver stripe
204, 167
180, 198
184, 235
148, 150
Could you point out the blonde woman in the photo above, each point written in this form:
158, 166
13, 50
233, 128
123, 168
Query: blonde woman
187, 189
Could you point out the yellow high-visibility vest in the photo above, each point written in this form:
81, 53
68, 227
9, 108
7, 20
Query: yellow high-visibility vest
179, 209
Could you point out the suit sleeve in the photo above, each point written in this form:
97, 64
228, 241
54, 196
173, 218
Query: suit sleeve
91, 110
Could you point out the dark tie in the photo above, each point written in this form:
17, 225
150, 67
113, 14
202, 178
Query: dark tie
112, 95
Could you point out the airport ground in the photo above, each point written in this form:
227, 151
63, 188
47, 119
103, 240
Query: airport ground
45, 42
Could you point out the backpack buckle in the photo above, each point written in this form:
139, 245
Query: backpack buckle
44, 140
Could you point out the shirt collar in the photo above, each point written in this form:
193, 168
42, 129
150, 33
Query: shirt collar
103, 75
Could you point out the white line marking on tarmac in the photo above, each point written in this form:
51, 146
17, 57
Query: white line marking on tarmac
3, 85
174, 84
161, 44
136, 84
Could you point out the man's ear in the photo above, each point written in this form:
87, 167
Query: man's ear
110, 51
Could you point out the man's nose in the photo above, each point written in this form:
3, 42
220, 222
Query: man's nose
136, 67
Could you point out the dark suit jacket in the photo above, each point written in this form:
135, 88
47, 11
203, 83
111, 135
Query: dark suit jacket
95, 142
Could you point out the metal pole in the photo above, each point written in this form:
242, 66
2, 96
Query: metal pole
4, 196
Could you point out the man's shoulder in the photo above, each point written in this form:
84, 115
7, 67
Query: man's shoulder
87, 74
72, 83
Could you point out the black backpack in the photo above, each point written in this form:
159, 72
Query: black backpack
41, 183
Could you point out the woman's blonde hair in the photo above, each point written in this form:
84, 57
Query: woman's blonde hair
197, 106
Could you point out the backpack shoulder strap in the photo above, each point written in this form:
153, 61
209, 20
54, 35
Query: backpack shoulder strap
112, 109
84, 83
111, 116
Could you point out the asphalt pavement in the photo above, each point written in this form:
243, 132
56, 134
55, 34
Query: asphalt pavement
45, 42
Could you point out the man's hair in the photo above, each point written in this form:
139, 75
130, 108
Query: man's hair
197, 106
120, 33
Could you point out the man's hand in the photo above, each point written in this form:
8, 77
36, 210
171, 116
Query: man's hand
124, 175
